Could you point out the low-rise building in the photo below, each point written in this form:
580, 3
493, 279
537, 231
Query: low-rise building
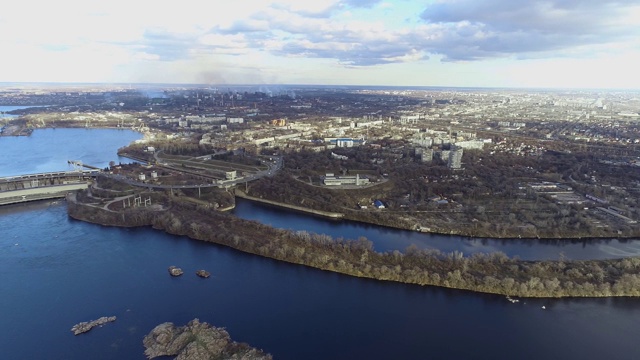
332, 180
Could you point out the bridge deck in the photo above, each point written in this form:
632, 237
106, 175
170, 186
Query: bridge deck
49, 175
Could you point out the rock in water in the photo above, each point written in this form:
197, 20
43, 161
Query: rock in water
175, 271
203, 273
85, 326
197, 341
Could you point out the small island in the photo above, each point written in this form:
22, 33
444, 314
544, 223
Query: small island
83, 327
197, 340
175, 271
203, 273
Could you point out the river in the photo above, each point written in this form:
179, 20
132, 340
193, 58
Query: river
47, 150
58, 271
387, 239
7, 108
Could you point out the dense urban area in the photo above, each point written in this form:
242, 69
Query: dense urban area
474, 162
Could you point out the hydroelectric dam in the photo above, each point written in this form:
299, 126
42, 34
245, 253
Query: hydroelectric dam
42, 186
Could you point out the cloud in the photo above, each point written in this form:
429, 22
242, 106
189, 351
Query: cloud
349, 54
313, 9
351, 43
167, 46
361, 3
273, 39
493, 28
459, 30
244, 26
321, 8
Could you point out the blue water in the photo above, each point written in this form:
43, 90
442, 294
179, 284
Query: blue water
57, 271
387, 239
7, 108
63, 271
48, 150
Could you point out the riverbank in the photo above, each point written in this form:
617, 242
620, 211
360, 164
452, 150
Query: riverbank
403, 202
329, 214
15, 130
488, 273
451, 233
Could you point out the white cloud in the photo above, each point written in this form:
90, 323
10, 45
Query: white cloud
394, 42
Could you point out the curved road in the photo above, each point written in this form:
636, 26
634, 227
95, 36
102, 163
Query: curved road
273, 166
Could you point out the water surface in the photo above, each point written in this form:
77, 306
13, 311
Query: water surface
57, 272
388, 239
48, 150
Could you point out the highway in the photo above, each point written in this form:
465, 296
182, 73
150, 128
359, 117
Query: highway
273, 166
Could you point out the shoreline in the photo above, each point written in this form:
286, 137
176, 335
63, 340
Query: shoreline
492, 273
326, 214
319, 213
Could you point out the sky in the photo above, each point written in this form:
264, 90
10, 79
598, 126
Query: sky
466, 43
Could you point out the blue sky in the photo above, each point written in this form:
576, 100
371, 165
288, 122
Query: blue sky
489, 43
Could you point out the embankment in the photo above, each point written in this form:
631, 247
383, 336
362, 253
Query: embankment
333, 215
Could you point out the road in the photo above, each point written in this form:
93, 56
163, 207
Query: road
273, 166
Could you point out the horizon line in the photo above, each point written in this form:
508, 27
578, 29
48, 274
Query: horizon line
411, 87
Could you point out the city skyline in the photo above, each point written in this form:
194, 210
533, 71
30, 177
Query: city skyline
464, 43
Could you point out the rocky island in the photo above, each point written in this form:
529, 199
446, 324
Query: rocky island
175, 271
85, 326
203, 273
197, 341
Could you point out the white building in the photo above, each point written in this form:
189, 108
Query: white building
423, 142
344, 143
331, 180
426, 155
455, 159
230, 175
470, 144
